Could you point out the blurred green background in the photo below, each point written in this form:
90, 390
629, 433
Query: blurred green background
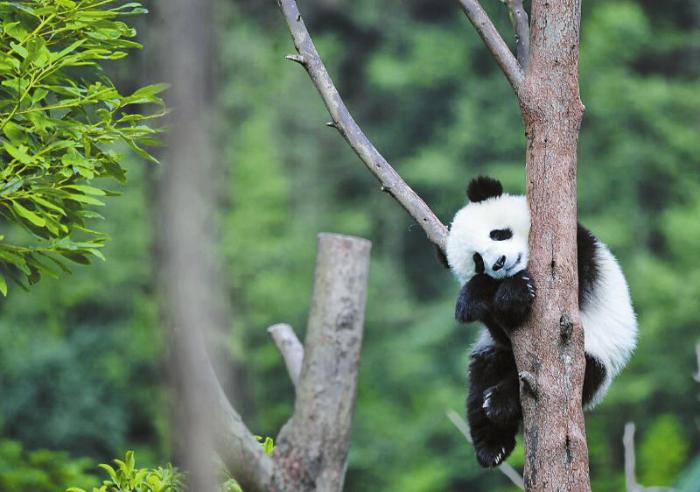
81, 369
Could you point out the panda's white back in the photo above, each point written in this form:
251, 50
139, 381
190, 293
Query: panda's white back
608, 319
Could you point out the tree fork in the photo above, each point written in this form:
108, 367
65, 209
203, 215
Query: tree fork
554, 430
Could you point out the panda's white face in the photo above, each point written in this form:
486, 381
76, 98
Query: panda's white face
496, 230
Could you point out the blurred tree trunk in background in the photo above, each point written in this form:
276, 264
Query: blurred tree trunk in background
190, 293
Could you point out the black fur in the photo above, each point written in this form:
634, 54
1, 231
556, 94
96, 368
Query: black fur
587, 264
483, 188
476, 298
441, 256
490, 368
513, 300
501, 234
479, 266
593, 378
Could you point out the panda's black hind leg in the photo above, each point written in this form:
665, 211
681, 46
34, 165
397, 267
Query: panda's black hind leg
494, 440
502, 401
594, 378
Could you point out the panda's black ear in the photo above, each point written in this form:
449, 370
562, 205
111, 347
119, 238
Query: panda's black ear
483, 188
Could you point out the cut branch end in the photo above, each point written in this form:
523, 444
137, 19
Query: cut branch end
529, 384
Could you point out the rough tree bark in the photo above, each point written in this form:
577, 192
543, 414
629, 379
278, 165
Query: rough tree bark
549, 350
312, 448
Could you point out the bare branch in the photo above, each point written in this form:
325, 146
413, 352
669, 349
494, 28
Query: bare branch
521, 26
312, 448
494, 42
504, 467
696, 376
237, 447
352, 133
630, 473
290, 347
628, 443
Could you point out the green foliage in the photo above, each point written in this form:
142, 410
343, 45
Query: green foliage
41, 470
60, 116
662, 452
80, 359
126, 477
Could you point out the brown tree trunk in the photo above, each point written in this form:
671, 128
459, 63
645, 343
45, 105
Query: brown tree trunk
549, 350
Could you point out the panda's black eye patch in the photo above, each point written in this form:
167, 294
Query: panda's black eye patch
501, 234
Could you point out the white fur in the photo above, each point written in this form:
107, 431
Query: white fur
609, 322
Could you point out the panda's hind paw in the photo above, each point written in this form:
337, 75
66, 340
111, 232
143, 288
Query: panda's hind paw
502, 404
492, 453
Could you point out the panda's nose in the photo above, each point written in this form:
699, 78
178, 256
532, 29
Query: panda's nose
499, 264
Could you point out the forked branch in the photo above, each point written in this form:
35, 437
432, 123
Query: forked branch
521, 26
390, 180
290, 347
630, 473
494, 42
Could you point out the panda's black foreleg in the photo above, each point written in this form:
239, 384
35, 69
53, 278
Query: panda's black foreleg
512, 302
491, 372
475, 298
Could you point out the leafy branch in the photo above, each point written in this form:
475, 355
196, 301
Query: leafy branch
63, 124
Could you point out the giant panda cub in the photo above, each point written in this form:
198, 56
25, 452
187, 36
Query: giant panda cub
487, 250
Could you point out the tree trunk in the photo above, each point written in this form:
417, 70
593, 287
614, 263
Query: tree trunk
312, 448
549, 350
190, 298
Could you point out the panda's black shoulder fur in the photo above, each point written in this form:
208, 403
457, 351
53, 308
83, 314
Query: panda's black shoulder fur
483, 188
588, 268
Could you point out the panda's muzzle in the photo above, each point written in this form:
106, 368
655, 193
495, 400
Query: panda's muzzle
499, 263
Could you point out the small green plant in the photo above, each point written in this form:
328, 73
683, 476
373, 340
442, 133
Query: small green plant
267, 443
60, 118
125, 477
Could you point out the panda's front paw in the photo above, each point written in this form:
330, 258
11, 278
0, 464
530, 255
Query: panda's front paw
513, 300
471, 309
475, 299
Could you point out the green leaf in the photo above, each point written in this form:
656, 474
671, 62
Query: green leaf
28, 214
3, 285
110, 471
18, 153
45, 203
15, 30
85, 199
20, 50
88, 190
16, 133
